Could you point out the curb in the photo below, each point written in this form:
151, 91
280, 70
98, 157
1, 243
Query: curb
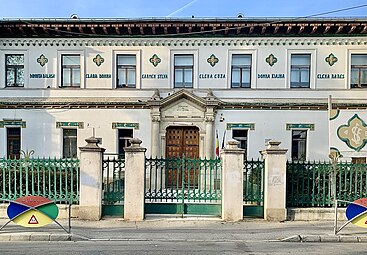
326, 239
39, 237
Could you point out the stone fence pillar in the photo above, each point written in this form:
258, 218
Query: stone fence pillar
232, 182
275, 182
134, 181
90, 202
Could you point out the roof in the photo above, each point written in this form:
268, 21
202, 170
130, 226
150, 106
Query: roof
174, 27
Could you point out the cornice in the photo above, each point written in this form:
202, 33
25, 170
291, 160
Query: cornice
158, 27
69, 103
39, 103
179, 42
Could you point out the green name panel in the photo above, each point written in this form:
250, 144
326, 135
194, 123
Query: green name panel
250, 126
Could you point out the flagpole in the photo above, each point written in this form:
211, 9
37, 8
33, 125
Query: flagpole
224, 138
330, 108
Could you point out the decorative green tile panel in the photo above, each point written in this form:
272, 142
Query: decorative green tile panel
124, 125
271, 60
331, 59
42, 60
300, 125
155, 60
250, 126
212, 60
335, 153
354, 134
99, 60
19, 123
70, 124
333, 114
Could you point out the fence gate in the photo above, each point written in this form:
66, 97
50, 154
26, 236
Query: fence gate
183, 186
253, 188
113, 176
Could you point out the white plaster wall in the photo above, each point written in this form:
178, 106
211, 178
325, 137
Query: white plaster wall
163, 67
272, 125
42, 136
220, 68
261, 48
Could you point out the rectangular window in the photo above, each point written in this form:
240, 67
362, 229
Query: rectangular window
14, 65
126, 71
358, 78
13, 142
300, 70
184, 69
241, 71
241, 136
69, 142
299, 142
70, 71
124, 135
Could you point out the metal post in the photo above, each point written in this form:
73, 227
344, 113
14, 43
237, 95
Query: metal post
182, 185
69, 217
336, 217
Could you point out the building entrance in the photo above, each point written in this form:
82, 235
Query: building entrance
182, 142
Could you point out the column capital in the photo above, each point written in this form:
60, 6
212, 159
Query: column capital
135, 146
209, 118
273, 148
156, 118
232, 147
92, 145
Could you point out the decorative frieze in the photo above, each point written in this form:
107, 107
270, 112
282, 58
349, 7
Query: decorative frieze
17, 123
79, 125
290, 126
116, 125
184, 42
250, 126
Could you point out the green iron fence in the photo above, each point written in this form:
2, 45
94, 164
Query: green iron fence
253, 188
113, 176
309, 183
253, 182
177, 179
56, 179
183, 186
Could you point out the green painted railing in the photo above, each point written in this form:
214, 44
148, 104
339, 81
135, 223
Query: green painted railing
56, 179
113, 176
178, 179
253, 182
351, 182
309, 183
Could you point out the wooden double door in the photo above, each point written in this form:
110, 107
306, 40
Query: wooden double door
182, 142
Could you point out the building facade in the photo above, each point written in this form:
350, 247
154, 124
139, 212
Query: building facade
183, 86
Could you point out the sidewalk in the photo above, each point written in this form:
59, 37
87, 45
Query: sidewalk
160, 228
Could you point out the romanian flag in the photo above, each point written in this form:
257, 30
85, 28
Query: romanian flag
216, 143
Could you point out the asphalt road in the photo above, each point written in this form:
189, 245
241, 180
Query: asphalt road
171, 248
178, 236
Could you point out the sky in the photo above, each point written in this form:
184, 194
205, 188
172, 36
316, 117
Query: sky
178, 8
